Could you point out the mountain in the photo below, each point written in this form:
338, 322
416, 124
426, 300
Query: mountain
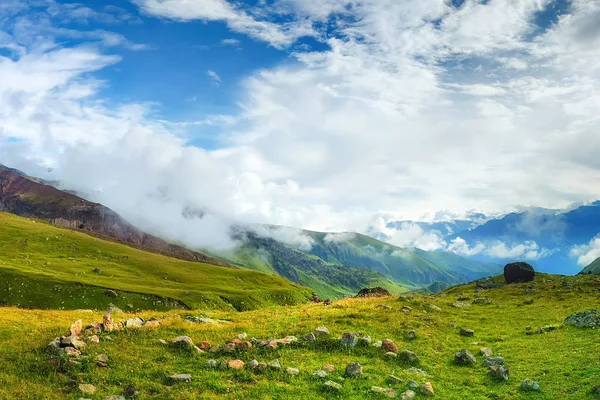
593, 268
42, 266
337, 264
548, 236
34, 198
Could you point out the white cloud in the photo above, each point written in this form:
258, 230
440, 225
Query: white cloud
339, 237
587, 253
291, 236
214, 76
230, 42
528, 250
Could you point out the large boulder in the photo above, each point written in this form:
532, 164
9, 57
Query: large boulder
373, 292
518, 272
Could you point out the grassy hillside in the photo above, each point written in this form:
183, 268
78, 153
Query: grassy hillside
563, 361
341, 264
593, 268
42, 266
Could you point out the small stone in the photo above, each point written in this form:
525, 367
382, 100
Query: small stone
243, 346
262, 366
111, 293
332, 386
529, 301
530, 386
87, 388
72, 352
242, 336
389, 392
152, 324
97, 271
76, 328
378, 344
412, 385
181, 378
408, 395
411, 335
406, 309
384, 306
94, 339
204, 346
321, 331
211, 364
414, 370
354, 370
320, 374
461, 304
229, 347
183, 342
114, 398
464, 357
408, 357
132, 323
329, 368
310, 337
499, 372
163, 341
390, 355
466, 332
389, 345
275, 365
486, 352
130, 391
108, 323
427, 389
393, 380
253, 364
364, 341
102, 360
491, 361
349, 339
236, 364
292, 371
434, 307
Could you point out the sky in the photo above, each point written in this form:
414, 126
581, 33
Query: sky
331, 115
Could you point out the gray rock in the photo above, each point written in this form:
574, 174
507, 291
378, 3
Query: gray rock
181, 378
499, 372
426, 389
253, 364
292, 371
406, 309
321, 331
211, 364
461, 304
434, 307
242, 336
390, 355
584, 319
486, 352
384, 306
491, 361
349, 339
87, 388
388, 392
414, 370
134, 323
529, 301
354, 370
378, 344
183, 342
412, 385
275, 365
321, 374
464, 357
332, 386
201, 319
310, 337
262, 366
364, 341
408, 357
393, 380
530, 386
408, 395
467, 332
102, 360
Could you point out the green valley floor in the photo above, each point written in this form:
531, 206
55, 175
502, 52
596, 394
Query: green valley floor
564, 361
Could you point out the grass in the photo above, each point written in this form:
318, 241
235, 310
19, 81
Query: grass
565, 361
42, 266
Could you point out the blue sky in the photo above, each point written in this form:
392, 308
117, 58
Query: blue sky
333, 115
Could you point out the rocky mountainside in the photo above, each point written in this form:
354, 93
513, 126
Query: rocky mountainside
29, 197
593, 268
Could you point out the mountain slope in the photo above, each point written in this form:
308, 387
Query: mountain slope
43, 266
593, 268
30, 197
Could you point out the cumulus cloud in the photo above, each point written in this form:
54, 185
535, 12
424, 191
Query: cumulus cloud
405, 107
339, 237
528, 250
587, 253
291, 236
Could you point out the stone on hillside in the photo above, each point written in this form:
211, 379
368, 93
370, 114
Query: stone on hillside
223, 365
584, 319
464, 357
320, 374
486, 352
321, 331
482, 300
275, 365
111, 293
434, 307
201, 319
253, 364
406, 309
518, 272
408, 357
466, 332
390, 355
332, 386
134, 323
229, 348
287, 340
384, 306
414, 370
204, 345
87, 388
76, 328
310, 337
329, 368
211, 364
183, 342
97, 271
113, 309
461, 304
389, 345
242, 336
499, 372
412, 385
163, 341
292, 371
54, 345
94, 339
354, 370
102, 360
529, 301
408, 395
152, 324
181, 378
236, 364
72, 352
485, 283
243, 346
493, 361
393, 380
114, 398
108, 323
411, 335
378, 344
373, 292
530, 386
427, 389
328, 302
262, 366
130, 391
349, 339
364, 341
388, 392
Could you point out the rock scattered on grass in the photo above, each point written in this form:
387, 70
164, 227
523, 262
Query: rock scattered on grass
499, 372
528, 301
434, 307
406, 309
183, 342
364, 341
467, 332
310, 337
490, 361
253, 364
354, 370
427, 389
329, 368
388, 392
211, 364
486, 352
177, 378
321, 331
408, 357
464, 357
94, 339
236, 364
292, 371
76, 328
393, 380
414, 370
102, 360
114, 398
584, 319
332, 386
86, 388
349, 339
461, 304
384, 306
530, 386
321, 374
390, 355
275, 364
411, 335
389, 345
412, 385
408, 395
